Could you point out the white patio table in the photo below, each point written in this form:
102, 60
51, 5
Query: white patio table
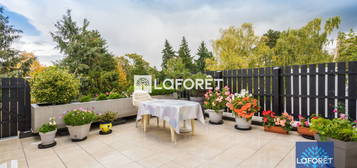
172, 112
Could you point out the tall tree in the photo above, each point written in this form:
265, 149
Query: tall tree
9, 57
271, 37
202, 54
184, 54
305, 45
347, 46
234, 49
86, 54
167, 53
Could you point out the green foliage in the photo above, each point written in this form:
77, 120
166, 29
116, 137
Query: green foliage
161, 91
176, 69
101, 96
9, 57
54, 86
167, 53
115, 95
85, 99
47, 128
347, 46
305, 45
272, 37
79, 117
184, 54
337, 128
107, 117
86, 55
202, 54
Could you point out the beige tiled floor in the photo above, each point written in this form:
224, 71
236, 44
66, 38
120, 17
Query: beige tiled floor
215, 146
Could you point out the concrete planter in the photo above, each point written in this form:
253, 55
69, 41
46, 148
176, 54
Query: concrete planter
345, 153
243, 123
48, 137
124, 107
215, 117
78, 133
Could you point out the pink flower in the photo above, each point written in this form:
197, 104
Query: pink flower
307, 123
343, 116
355, 121
217, 88
226, 93
298, 124
334, 110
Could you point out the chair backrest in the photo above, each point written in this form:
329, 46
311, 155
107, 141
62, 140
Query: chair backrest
139, 96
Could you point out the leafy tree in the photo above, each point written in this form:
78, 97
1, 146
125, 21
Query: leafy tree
9, 57
36, 67
305, 45
167, 53
176, 69
23, 67
86, 54
123, 80
184, 54
234, 49
272, 36
202, 54
347, 46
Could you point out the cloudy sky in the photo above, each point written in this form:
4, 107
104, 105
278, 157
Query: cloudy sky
141, 26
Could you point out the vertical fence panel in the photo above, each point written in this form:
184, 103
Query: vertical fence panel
261, 88
352, 89
330, 89
255, 82
225, 79
288, 88
234, 88
13, 106
229, 81
5, 129
321, 89
239, 80
267, 88
21, 105
276, 90
27, 108
312, 92
341, 82
296, 102
250, 79
303, 90
244, 78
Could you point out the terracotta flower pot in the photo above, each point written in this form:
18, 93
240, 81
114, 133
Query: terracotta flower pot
306, 131
276, 129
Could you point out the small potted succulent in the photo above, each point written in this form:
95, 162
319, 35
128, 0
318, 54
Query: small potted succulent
48, 133
105, 122
278, 124
243, 106
78, 122
303, 127
215, 102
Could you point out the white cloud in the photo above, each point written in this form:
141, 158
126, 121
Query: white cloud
142, 26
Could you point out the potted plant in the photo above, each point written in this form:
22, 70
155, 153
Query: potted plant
303, 127
278, 124
215, 102
105, 122
78, 122
343, 133
243, 106
48, 133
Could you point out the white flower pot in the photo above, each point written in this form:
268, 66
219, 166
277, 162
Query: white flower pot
78, 132
48, 137
215, 117
242, 123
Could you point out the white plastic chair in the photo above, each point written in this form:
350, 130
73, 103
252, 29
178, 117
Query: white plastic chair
138, 97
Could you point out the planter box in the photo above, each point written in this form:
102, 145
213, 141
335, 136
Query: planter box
305, 131
124, 107
276, 129
345, 153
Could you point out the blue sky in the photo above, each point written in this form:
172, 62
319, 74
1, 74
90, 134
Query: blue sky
141, 26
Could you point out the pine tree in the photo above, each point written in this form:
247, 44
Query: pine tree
9, 57
184, 54
168, 53
202, 54
272, 37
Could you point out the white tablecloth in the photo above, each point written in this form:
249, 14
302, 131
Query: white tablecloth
172, 111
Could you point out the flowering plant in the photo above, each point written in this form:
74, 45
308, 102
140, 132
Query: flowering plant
48, 127
78, 117
285, 120
217, 99
304, 122
243, 105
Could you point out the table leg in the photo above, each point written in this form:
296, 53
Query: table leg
173, 136
157, 122
145, 119
193, 126
164, 124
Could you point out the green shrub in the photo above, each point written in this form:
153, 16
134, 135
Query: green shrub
85, 99
47, 128
107, 117
162, 91
78, 117
54, 86
101, 97
115, 95
341, 129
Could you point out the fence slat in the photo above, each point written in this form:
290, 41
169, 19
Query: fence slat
234, 87
312, 92
5, 129
303, 90
321, 89
288, 88
13, 107
352, 89
261, 88
244, 77
250, 79
267, 88
330, 89
296, 102
341, 82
